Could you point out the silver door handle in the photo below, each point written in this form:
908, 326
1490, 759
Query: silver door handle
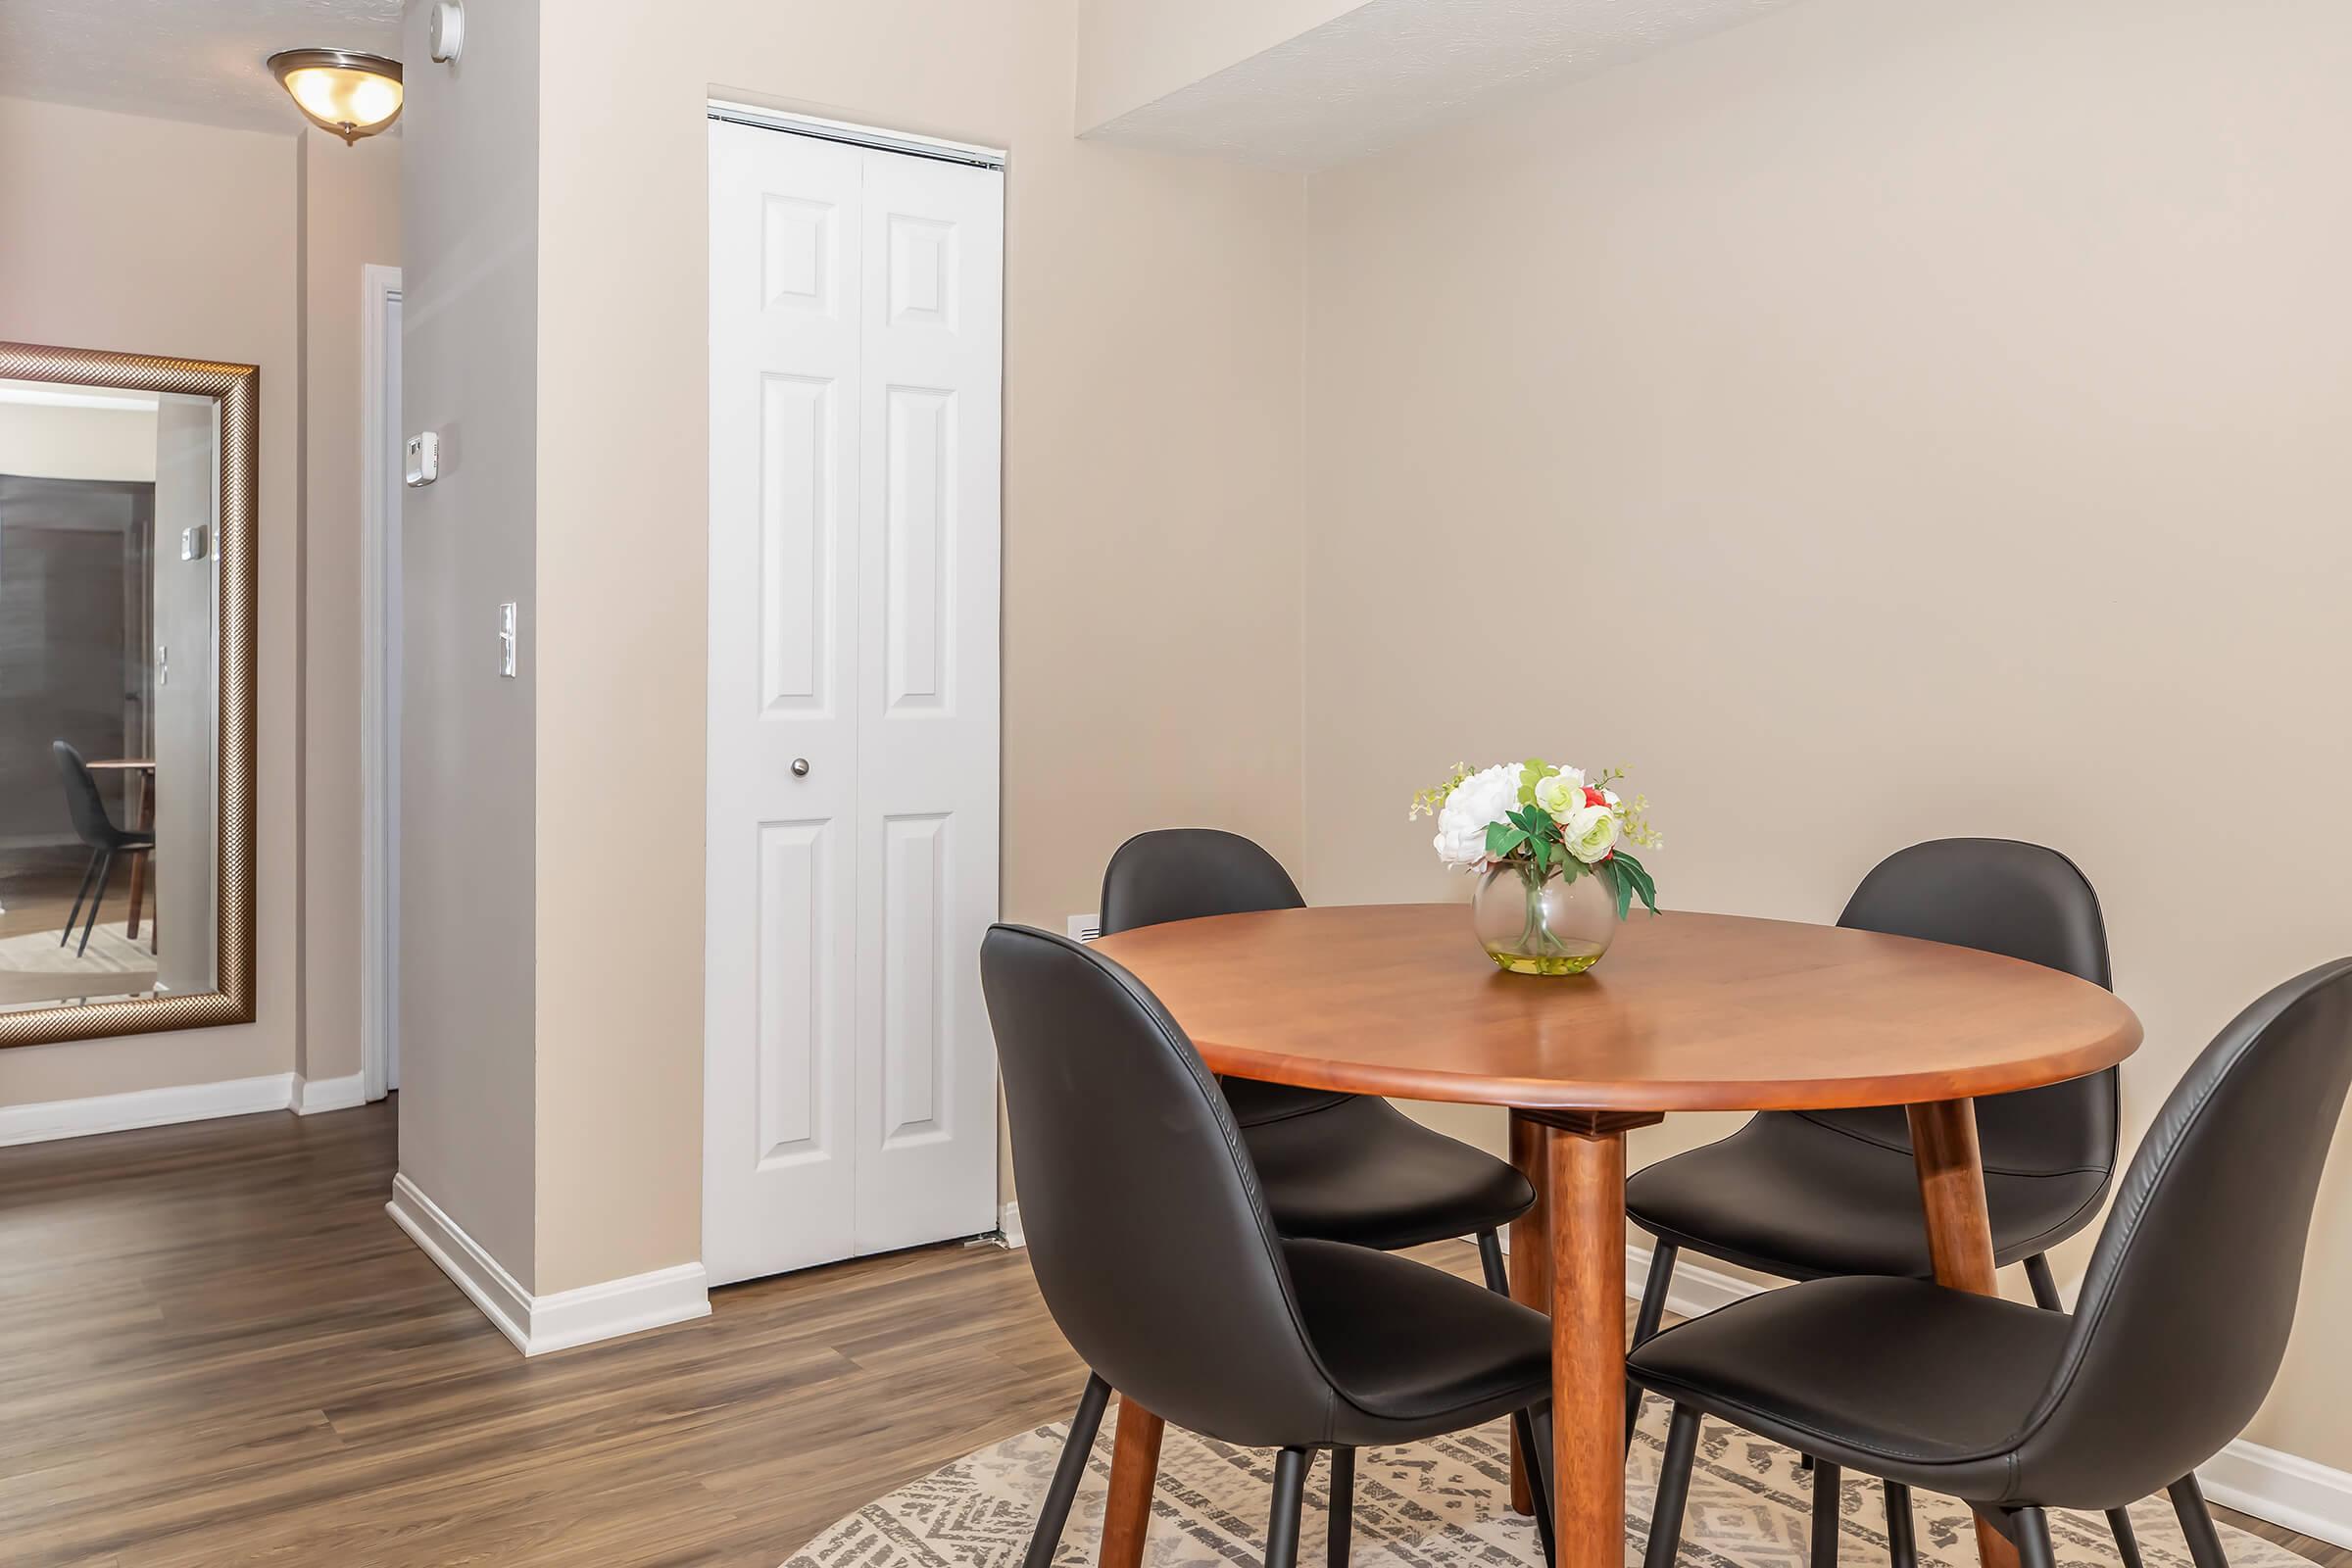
800, 768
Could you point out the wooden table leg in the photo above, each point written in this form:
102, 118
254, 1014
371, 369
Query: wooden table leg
1134, 1467
1585, 1201
145, 816
1951, 1187
1531, 1265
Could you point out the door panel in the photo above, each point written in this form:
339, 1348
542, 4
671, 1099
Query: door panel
928, 731
781, 1079
856, 323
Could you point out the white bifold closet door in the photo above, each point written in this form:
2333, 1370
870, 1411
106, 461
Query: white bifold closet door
856, 347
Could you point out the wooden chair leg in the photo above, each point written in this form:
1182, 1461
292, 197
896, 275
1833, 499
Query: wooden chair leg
2196, 1523
1134, 1467
1827, 1479
1674, 1489
1342, 1506
1289, 1496
1054, 1512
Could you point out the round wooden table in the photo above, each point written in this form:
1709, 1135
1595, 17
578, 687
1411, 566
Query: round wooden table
1687, 1012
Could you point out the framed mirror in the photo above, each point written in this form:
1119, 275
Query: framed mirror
128, 492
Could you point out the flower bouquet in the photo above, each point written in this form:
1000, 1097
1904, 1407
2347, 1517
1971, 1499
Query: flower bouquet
1550, 845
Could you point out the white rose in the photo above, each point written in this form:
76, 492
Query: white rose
1561, 793
1477, 800
1591, 832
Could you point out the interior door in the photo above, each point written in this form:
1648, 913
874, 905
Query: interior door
186, 656
852, 830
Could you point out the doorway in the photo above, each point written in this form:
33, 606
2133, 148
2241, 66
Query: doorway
380, 493
852, 743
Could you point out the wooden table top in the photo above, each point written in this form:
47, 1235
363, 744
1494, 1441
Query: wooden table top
1685, 1012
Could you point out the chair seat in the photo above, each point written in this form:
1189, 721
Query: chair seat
1895, 1377
1362, 1171
1412, 1350
1790, 1197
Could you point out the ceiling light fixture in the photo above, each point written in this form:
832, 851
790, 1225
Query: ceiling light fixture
341, 91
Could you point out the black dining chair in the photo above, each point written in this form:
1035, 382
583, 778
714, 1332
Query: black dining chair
1807, 1195
1337, 1167
1160, 1260
2177, 1336
96, 828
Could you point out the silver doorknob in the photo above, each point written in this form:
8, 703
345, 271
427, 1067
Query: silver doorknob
800, 768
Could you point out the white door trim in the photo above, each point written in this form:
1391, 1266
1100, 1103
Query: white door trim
379, 288
889, 141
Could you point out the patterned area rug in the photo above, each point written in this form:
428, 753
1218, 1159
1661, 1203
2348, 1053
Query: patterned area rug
1440, 1505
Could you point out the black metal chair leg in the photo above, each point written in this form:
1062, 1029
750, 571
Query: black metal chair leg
1674, 1489
1490, 1262
1903, 1546
1535, 1442
73, 915
1827, 1479
106, 868
2127, 1544
2196, 1523
1343, 1505
1054, 1511
1282, 1524
2045, 1288
2031, 1528
1645, 1322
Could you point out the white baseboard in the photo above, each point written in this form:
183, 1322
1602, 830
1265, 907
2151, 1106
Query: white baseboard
1009, 1224
145, 1107
2284, 1488
315, 1095
538, 1324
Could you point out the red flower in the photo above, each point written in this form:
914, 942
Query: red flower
1593, 797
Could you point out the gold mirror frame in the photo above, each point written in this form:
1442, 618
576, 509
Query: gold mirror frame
236, 390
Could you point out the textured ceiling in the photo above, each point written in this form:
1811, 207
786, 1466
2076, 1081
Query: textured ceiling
198, 60
1391, 70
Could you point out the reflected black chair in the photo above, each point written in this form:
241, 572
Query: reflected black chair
1807, 1195
1335, 1167
96, 828
2177, 1337
1159, 1261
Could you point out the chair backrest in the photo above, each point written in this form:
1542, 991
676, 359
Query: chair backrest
2023, 901
1186, 873
1145, 1227
1183, 873
91, 824
2185, 1312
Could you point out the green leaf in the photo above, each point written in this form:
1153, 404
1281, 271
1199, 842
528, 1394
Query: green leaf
1497, 837
1639, 875
1621, 883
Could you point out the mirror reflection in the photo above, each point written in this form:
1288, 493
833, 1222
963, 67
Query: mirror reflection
108, 693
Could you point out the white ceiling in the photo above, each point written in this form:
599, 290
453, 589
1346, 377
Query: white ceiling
198, 60
1389, 71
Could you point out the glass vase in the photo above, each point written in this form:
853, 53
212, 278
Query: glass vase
1533, 922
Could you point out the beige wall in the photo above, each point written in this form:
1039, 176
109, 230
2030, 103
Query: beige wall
161, 237
1930, 419
156, 238
45, 441
1150, 497
350, 220
1133, 52
469, 205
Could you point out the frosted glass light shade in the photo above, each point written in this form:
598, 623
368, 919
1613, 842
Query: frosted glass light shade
351, 94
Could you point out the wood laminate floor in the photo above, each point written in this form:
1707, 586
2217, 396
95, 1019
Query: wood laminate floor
216, 1349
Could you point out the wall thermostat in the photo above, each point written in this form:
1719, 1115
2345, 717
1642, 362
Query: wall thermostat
424, 460
445, 30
